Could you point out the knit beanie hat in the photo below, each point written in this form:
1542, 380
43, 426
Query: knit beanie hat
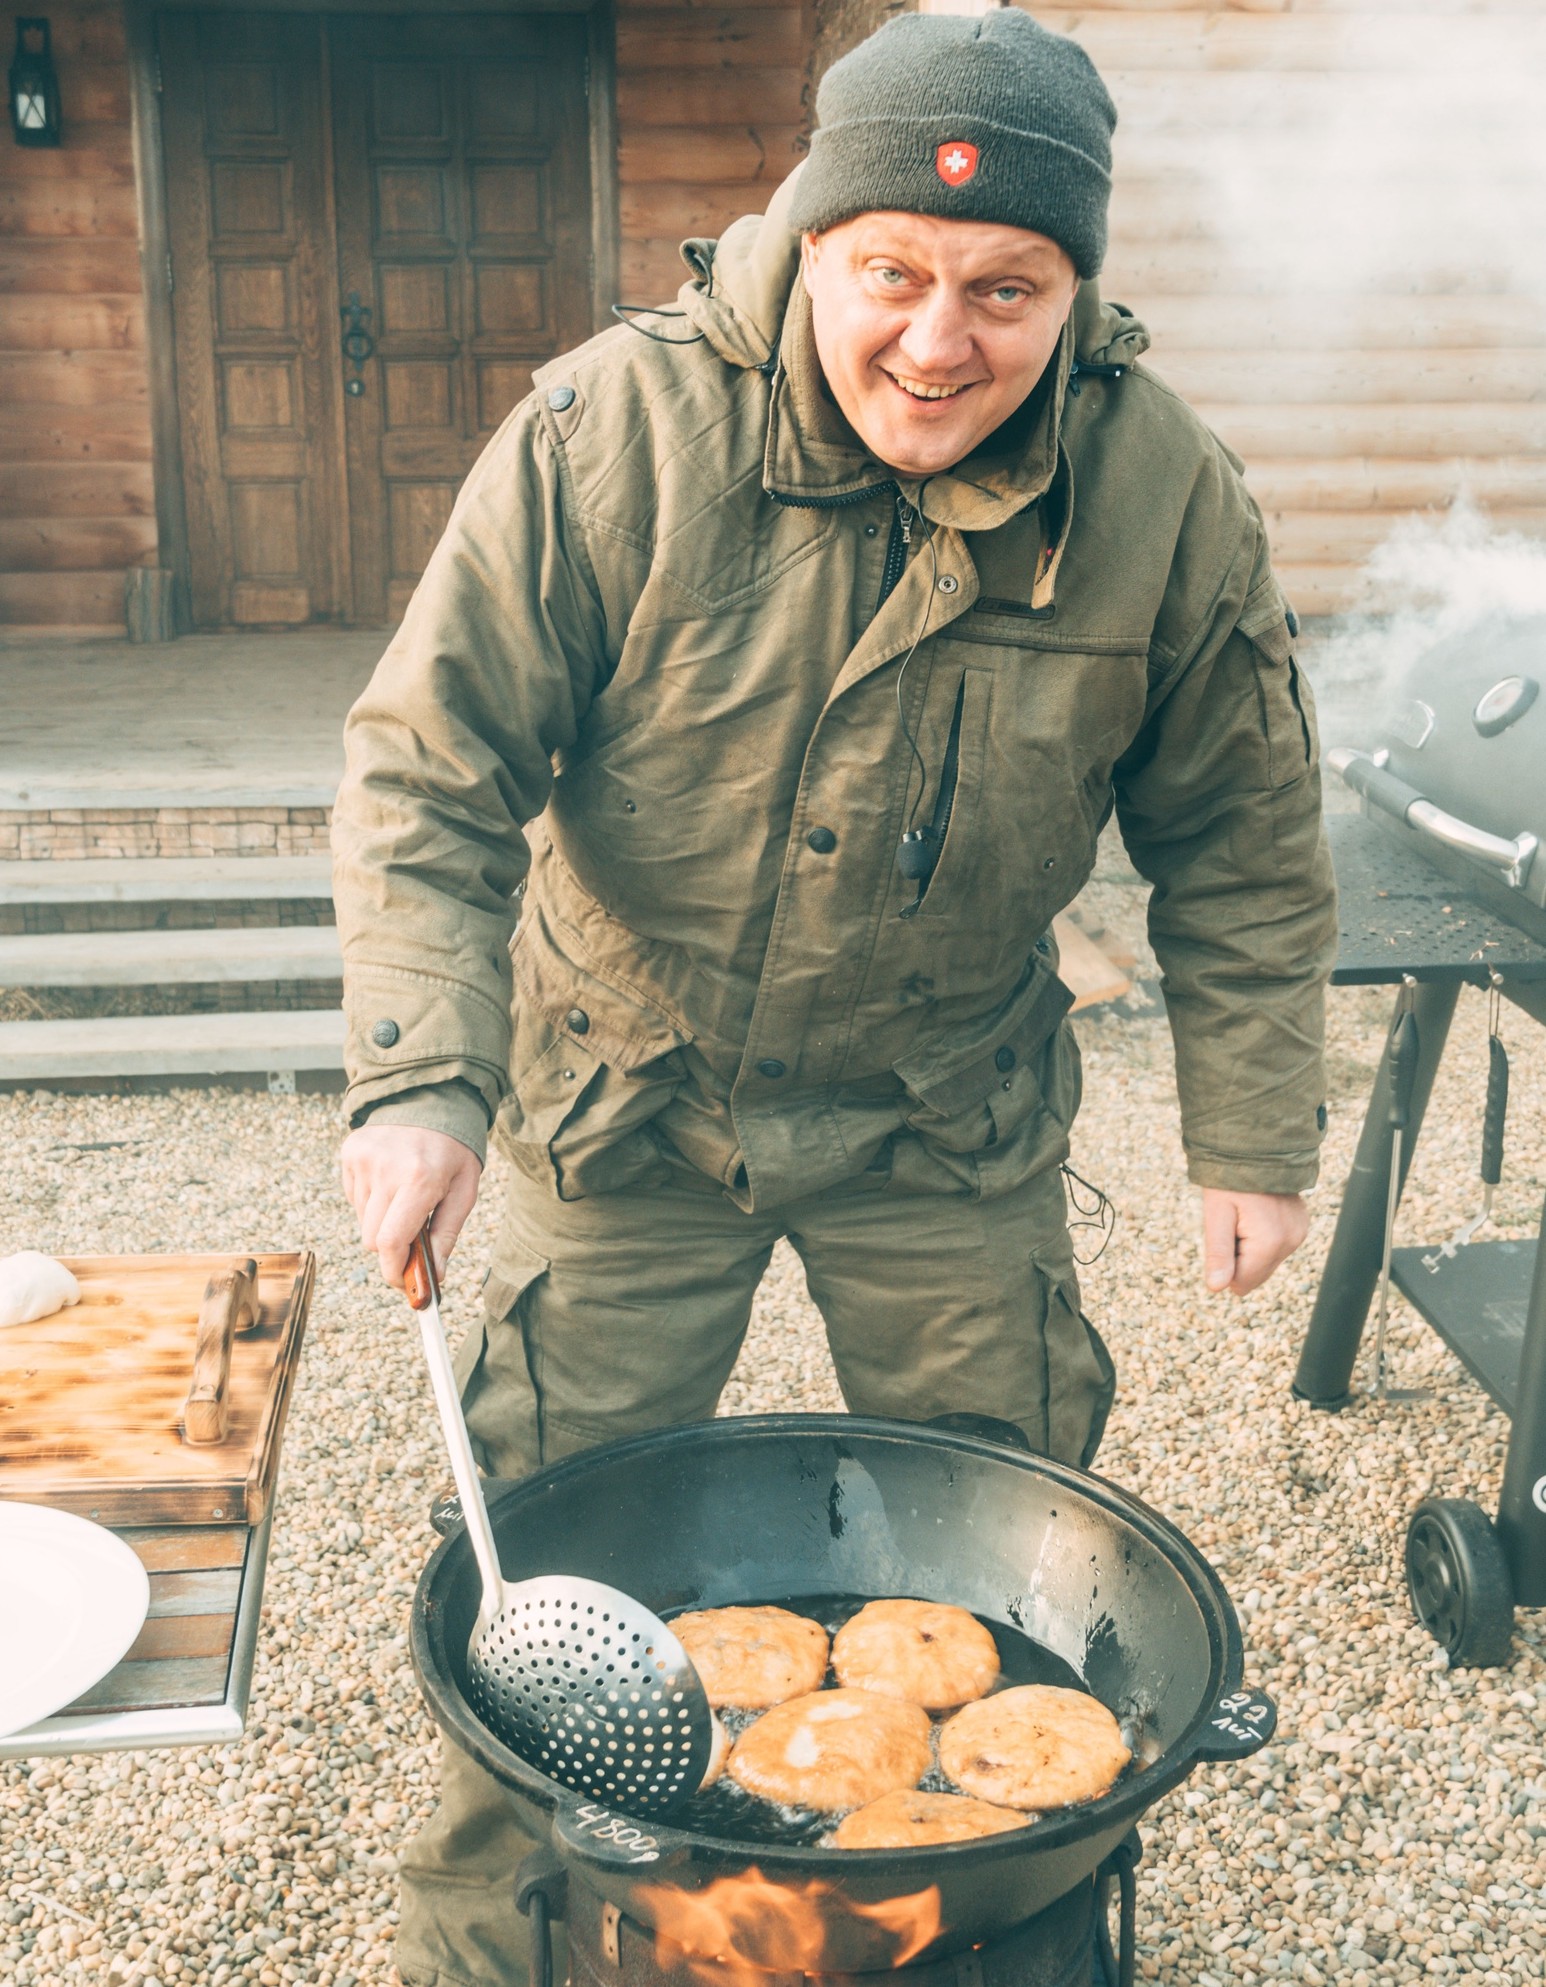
971, 117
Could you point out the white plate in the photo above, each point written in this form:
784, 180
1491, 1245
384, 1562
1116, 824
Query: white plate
72, 1599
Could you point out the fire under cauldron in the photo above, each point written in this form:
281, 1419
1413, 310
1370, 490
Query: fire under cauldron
1442, 880
791, 1508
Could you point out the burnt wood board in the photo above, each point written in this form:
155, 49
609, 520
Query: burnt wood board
91, 1409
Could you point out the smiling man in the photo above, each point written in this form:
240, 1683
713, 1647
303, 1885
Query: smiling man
789, 659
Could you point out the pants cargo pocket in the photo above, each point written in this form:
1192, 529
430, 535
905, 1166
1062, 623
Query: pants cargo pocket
501, 1396
1081, 1379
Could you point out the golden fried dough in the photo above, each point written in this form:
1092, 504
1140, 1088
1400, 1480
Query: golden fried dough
1034, 1746
907, 1821
750, 1658
921, 1651
833, 1749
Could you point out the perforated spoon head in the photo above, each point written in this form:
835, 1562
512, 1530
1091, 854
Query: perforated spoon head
594, 1691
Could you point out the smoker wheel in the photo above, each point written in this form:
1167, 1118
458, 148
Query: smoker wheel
1459, 1582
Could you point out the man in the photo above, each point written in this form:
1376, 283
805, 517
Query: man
808, 637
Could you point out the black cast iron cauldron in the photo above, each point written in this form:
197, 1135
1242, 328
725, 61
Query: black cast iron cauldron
771, 1507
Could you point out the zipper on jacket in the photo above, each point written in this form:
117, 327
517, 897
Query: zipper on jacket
903, 518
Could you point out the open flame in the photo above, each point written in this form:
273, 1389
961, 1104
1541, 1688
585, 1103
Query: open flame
746, 1926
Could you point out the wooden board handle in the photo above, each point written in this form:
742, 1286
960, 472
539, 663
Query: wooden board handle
230, 1305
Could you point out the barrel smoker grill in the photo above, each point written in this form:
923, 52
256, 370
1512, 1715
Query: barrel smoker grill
1443, 883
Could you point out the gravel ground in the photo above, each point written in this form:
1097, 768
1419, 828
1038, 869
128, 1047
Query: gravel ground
1394, 1832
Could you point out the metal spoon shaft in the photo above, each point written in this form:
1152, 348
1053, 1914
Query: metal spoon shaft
424, 1295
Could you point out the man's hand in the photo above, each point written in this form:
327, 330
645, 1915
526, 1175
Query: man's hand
1246, 1236
396, 1176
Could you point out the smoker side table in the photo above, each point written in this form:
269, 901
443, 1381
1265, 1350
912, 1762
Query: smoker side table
1410, 923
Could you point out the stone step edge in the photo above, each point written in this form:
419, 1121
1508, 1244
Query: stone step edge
164, 879
280, 1043
245, 954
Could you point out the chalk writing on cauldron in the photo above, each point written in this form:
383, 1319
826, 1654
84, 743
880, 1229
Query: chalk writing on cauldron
1241, 1716
608, 1827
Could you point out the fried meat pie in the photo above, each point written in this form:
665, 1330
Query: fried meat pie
922, 1651
832, 1750
910, 1820
1034, 1747
751, 1658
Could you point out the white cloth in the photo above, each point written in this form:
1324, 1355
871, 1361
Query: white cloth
33, 1285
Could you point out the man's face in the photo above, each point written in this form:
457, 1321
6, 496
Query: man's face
932, 332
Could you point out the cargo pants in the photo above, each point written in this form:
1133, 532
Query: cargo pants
610, 1316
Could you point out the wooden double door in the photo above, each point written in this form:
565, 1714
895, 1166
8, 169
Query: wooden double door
380, 224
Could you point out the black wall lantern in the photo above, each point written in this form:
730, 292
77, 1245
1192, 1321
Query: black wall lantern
34, 86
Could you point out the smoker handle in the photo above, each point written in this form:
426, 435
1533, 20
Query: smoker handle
1242, 1723
1367, 776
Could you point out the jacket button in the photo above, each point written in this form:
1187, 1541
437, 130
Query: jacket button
771, 1068
949, 584
577, 1021
561, 399
1005, 1059
822, 840
1320, 1117
385, 1033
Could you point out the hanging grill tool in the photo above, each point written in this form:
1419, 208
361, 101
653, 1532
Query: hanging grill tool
1494, 1117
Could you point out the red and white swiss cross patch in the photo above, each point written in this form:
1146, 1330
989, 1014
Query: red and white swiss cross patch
955, 162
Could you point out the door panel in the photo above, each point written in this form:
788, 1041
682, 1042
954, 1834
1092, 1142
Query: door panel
462, 164
429, 174
257, 382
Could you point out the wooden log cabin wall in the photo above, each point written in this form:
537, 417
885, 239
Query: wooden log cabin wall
77, 500
1332, 216
1388, 397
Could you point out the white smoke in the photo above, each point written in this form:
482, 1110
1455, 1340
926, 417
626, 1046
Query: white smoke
1433, 578
1386, 155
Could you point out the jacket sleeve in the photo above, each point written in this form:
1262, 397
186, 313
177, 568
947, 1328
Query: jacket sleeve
448, 755
1219, 804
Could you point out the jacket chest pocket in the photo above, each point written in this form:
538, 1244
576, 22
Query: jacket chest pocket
954, 803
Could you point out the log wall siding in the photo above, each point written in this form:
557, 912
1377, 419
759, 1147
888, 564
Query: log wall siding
77, 505
711, 115
1355, 398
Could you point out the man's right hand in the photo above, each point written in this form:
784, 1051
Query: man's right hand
396, 1177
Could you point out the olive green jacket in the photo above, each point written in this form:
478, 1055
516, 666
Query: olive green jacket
650, 685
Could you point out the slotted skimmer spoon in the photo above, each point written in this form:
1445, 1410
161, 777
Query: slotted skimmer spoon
583, 1682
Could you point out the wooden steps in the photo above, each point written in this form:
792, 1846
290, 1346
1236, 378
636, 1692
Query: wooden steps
276, 1044
262, 1039
171, 958
165, 880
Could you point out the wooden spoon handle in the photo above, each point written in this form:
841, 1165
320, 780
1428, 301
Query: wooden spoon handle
419, 1283
230, 1305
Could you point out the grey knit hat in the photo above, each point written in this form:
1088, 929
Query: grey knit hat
972, 117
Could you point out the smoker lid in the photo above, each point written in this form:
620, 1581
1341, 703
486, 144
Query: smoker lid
1468, 725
